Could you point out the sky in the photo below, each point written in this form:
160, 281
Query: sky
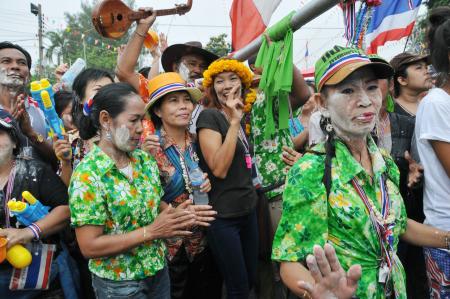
207, 18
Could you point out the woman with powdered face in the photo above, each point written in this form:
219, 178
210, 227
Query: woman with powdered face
344, 195
115, 201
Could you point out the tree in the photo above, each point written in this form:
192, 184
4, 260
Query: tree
218, 45
417, 42
79, 39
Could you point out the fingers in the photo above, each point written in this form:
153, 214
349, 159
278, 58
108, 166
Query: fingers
353, 276
322, 261
408, 157
232, 94
331, 256
313, 268
184, 205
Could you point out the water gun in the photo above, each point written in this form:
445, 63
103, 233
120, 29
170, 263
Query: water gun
45, 85
36, 87
28, 212
35, 91
56, 124
18, 256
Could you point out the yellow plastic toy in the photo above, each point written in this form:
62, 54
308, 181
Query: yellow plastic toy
18, 256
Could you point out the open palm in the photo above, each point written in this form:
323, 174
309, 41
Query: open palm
331, 281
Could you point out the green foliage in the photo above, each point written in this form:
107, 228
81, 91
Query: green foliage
436, 3
79, 39
219, 45
417, 40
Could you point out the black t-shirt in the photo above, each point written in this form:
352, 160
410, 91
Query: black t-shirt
234, 195
40, 180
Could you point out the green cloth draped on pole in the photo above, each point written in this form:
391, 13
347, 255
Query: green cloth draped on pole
276, 59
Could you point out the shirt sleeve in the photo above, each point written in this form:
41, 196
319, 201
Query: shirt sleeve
52, 190
143, 88
208, 119
435, 124
304, 222
86, 200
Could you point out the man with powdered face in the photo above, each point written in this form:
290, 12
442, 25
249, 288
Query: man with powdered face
15, 65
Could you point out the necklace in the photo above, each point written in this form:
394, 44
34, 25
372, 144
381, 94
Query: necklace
406, 110
184, 172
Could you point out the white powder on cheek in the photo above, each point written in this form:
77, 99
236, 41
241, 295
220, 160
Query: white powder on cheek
5, 80
122, 138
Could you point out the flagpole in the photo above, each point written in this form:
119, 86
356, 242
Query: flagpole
304, 15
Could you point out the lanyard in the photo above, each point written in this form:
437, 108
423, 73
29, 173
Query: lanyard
244, 141
9, 188
384, 230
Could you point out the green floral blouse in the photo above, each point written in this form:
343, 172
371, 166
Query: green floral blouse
99, 194
309, 219
268, 152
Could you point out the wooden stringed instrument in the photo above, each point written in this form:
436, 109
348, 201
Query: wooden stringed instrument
113, 18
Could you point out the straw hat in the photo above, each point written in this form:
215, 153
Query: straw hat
166, 83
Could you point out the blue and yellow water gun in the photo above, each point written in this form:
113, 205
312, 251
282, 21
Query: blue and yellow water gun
56, 124
28, 212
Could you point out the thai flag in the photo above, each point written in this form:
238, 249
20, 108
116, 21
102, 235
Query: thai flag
249, 18
37, 274
392, 20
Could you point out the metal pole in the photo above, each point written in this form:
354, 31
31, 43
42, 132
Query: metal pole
41, 47
307, 13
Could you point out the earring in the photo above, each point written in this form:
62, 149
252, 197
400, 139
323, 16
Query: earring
108, 135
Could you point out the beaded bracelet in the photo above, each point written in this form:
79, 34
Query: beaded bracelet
36, 230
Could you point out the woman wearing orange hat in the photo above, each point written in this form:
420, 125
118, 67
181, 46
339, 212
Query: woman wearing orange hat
225, 154
191, 268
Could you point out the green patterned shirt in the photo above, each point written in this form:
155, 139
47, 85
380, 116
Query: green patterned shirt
99, 194
309, 219
268, 152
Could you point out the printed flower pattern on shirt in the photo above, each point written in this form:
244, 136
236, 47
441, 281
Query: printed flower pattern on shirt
99, 194
343, 221
268, 152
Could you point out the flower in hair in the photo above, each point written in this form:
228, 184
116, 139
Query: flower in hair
227, 65
87, 107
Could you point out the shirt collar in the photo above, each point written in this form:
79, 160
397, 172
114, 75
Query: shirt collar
105, 163
346, 167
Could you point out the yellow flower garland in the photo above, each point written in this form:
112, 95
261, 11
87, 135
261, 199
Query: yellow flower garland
227, 65
249, 100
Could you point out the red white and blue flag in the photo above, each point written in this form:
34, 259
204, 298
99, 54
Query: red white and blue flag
249, 18
37, 274
392, 20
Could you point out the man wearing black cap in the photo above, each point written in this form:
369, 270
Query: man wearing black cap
411, 79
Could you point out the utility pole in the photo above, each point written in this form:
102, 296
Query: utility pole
37, 11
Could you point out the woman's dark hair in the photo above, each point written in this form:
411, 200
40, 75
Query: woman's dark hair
439, 38
156, 120
144, 71
79, 88
62, 100
111, 98
400, 72
81, 81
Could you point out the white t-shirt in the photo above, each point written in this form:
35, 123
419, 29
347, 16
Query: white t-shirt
433, 123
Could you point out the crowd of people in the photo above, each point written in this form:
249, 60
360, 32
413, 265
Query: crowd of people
351, 200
